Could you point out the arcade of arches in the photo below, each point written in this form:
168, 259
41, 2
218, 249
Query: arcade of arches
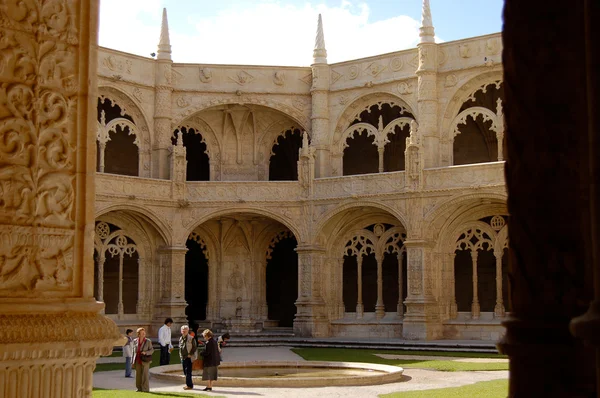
257, 197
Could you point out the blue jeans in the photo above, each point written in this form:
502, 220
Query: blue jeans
127, 366
187, 371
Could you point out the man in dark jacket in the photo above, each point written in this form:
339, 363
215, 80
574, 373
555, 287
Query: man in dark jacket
187, 353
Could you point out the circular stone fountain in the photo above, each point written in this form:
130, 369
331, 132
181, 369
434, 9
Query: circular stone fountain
289, 374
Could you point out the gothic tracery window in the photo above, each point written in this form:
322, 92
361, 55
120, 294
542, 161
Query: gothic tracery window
117, 140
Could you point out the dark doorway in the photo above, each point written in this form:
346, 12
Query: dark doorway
282, 282
195, 153
463, 280
391, 285
350, 283
283, 165
121, 154
393, 155
196, 282
361, 155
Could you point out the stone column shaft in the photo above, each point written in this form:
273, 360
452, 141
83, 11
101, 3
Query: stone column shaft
453, 305
379, 306
311, 317
499, 311
120, 304
173, 303
475, 309
400, 286
102, 148
320, 118
359, 301
538, 330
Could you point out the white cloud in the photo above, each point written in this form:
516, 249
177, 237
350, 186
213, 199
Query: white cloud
260, 33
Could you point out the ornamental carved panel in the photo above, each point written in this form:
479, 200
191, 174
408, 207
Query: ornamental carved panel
38, 141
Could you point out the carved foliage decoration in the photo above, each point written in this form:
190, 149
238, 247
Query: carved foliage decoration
198, 239
38, 108
279, 237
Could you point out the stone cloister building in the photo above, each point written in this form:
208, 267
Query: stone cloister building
358, 199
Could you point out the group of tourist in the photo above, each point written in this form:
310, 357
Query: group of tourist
138, 354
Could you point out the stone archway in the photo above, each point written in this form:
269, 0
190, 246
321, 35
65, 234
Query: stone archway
245, 252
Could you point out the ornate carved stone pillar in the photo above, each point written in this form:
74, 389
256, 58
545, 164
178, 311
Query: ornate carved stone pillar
421, 320
48, 96
101, 261
551, 276
311, 316
173, 303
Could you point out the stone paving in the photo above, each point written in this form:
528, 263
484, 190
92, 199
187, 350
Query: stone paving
416, 379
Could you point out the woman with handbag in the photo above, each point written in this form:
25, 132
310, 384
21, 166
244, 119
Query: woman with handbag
212, 359
187, 353
142, 358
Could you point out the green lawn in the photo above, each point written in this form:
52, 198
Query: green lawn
101, 393
359, 355
487, 389
103, 367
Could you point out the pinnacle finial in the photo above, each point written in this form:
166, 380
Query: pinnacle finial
320, 53
164, 44
427, 32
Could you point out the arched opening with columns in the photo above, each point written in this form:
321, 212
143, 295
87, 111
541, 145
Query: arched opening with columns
471, 262
251, 276
366, 274
117, 142
478, 129
198, 168
125, 254
283, 163
375, 140
249, 142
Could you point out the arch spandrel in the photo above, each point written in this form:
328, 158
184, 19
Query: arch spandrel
301, 234
162, 228
299, 117
330, 215
362, 103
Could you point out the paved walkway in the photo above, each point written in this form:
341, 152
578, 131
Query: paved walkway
415, 379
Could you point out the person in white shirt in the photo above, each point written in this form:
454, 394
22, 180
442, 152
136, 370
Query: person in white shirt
164, 339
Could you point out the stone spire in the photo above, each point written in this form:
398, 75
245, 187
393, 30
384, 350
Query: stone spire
427, 33
320, 53
164, 44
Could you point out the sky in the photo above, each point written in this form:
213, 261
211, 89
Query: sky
272, 32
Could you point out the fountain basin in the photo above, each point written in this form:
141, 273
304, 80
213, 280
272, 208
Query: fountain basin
289, 374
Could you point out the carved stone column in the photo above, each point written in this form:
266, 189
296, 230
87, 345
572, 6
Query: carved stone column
173, 303
551, 276
421, 320
101, 261
499, 311
51, 332
379, 306
360, 308
400, 286
453, 304
475, 309
311, 316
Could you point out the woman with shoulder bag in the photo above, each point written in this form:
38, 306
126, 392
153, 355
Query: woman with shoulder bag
212, 359
142, 358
